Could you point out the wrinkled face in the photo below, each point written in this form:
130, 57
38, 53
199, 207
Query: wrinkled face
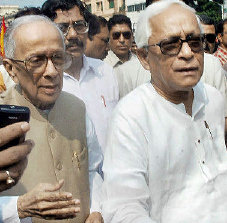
209, 41
182, 71
75, 42
40, 86
121, 45
98, 46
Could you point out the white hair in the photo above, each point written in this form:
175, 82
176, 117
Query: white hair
143, 29
9, 37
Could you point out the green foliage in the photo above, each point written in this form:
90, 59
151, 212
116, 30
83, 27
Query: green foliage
210, 8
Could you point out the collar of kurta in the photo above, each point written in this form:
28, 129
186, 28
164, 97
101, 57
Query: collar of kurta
88, 65
115, 60
199, 101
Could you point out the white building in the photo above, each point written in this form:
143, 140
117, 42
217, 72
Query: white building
133, 8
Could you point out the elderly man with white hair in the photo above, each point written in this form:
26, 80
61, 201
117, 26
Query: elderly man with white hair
62, 132
166, 160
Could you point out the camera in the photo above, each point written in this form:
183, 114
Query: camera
10, 114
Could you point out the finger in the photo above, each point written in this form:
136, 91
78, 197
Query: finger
61, 213
15, 171
54, 196
45, 205
13, 131
14, 154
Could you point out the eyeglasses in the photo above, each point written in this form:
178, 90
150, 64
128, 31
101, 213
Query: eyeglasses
116, 35
37, 64
80, 27
172, 46
210, 37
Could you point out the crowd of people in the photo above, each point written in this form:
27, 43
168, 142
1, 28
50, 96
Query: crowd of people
117, 133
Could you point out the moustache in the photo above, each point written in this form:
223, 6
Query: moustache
72, 43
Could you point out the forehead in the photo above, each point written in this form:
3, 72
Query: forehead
174, 21
66, 16
33, 37
208, 28
120, 28
225, 27
104, 32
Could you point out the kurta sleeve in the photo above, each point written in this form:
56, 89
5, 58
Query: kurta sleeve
125, 189
95, 166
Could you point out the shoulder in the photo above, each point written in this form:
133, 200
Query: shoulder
135, 103
99, 64
210, 59
214, 97
70, 101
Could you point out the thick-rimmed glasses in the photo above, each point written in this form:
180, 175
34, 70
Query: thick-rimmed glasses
116, 35
37, 63
173, 45
210, 37
80, 27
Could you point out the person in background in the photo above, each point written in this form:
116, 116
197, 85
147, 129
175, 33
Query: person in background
28, 11
209, 33
62, 132
169, 132
121, 37
98, 38
221, 52
90, 79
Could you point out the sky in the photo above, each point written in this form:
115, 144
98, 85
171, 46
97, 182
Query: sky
23, 3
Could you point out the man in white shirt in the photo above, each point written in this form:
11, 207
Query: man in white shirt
89, 79
166, 158
121, 37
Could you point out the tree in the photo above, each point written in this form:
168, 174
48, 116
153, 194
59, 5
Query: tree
210, 8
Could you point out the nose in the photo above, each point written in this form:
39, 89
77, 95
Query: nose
71, 34
50, 70
121, 38
186, 51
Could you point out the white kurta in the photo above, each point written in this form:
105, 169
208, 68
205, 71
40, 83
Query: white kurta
162, 165
99, 91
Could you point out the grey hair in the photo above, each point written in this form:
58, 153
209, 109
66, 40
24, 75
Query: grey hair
9, 41
143, 29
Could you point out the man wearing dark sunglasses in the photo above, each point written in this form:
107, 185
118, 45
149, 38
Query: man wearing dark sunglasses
209, 43
120, 40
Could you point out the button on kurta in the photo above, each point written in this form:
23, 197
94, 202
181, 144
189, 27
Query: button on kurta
52, 134
59, 166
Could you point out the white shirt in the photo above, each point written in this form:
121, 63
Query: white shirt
8, 205
132, 74
98, 88
162, 165
114, 61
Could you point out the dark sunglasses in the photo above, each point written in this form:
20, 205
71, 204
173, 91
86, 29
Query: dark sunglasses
116, 35
210, 37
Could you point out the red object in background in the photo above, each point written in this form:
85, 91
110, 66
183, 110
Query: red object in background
3, 30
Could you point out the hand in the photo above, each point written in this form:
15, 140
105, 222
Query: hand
45, 201
94, 217
13, 159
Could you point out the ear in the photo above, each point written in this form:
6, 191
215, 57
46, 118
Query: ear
10, 68
142, 54
219, 36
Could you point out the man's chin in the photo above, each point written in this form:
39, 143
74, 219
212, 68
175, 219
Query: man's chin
75, 53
